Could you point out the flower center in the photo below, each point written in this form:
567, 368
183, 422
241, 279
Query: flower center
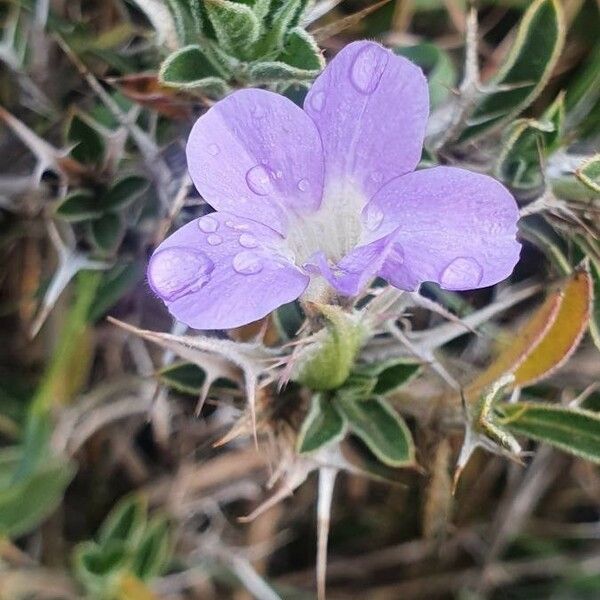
334, 229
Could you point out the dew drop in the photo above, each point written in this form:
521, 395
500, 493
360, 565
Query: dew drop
175, 272
213, 149
259, 180
303, 185
214, 239
208, 224
368, 67
374, 217
317, 100
247, 263
248, 241
462, 273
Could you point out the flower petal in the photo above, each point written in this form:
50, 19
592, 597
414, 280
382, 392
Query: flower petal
351, 274
257, 155
370, 107
455, 227
223, 271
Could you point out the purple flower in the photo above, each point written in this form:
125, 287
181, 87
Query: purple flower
321, 200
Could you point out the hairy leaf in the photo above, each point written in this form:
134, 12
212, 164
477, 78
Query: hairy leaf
526, 71
323, 425
573, 430
380, 427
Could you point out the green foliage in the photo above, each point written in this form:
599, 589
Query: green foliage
127, 545
183, 377
90, 146
378, 425
525, 72
526, 145
323, 425
32, 479
573, 430
589, 173
115, 283
327, 363
233, 42
189, 68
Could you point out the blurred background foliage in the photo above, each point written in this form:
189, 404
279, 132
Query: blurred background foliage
128, 468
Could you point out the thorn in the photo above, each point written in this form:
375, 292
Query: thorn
327, 477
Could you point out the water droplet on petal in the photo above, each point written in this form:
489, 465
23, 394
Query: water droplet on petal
368, 67
259, 180
213, 149
175, 272
247, 263
374, 217
214, 239
317, 100
461, 274
248, 241
208, 224
303, 185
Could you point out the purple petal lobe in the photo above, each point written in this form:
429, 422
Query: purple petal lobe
370, 107
351, 274
454, 227
223, 271
257, 155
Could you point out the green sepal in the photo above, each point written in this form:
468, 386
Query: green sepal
327, 362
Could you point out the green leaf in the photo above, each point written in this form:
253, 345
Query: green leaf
190, 69
187, 378
236, 26
302, 52
264, 73
528, 67
30, 500
323, 425
125, 523
98, 567
282, 20
437, 66
152, 553
188, 19
583, 96
589, 173
107, 232
573, 430
327, 362
124, 192
390, 375
380, 427
89, 142
526, 143
288, 319
79, 205
115, 284
536, 230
